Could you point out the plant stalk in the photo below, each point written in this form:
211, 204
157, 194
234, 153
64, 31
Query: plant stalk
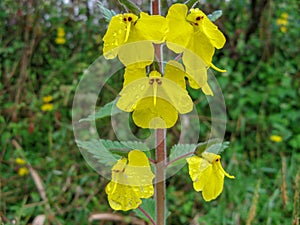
160, 186
161, 152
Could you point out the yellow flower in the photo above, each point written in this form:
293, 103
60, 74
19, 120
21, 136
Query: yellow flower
23, 171
60, 32
20, 161
155, 100
47, 107
276, 138
194, 35
284, 15
281, 22
128, 28
60, 40
131, 181
47, 98
283, 29
207, 174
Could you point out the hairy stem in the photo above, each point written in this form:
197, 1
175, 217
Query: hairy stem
160, 186
161, 153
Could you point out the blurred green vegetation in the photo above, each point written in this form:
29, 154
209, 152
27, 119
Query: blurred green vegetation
261, 90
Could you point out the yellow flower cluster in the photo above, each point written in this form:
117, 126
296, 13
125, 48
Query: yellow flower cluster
47, 105
282, 22
22, 171
60, 39
156, 98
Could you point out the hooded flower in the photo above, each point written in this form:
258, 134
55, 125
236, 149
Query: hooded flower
155, 100
197, 37
207, 174
131, 181
127, 28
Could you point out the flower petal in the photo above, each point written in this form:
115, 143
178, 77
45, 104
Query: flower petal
140, 53
151, 27
175, 72
133, 72
207, 90
122, 197
117, 33
175, 95
179, 30
216, 37
203, 24
114, 37
196, 69
139, 173
132, 93
148, 115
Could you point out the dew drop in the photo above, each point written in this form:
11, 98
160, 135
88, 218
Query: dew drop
142, 87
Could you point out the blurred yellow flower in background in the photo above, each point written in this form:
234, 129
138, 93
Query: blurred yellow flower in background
23, 171
282, 22
47, 98
47, 105
60, 39
283, 29
276, 138
20, 161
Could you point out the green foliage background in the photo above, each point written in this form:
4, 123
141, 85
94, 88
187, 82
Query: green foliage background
261, 90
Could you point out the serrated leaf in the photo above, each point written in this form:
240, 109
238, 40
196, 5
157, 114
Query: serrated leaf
124, 145
215, 15
180, 150
203, 146
218, 148
99, 151
107, 14
105, 111
105, 150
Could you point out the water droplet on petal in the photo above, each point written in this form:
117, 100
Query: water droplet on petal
142, 87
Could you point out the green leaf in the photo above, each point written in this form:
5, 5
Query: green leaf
105, 111
130, 6
107, 14
180, 150
124, 145
99, 151
107, 151
215, 15
148, 205
218, 148
213, 146
191, 3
